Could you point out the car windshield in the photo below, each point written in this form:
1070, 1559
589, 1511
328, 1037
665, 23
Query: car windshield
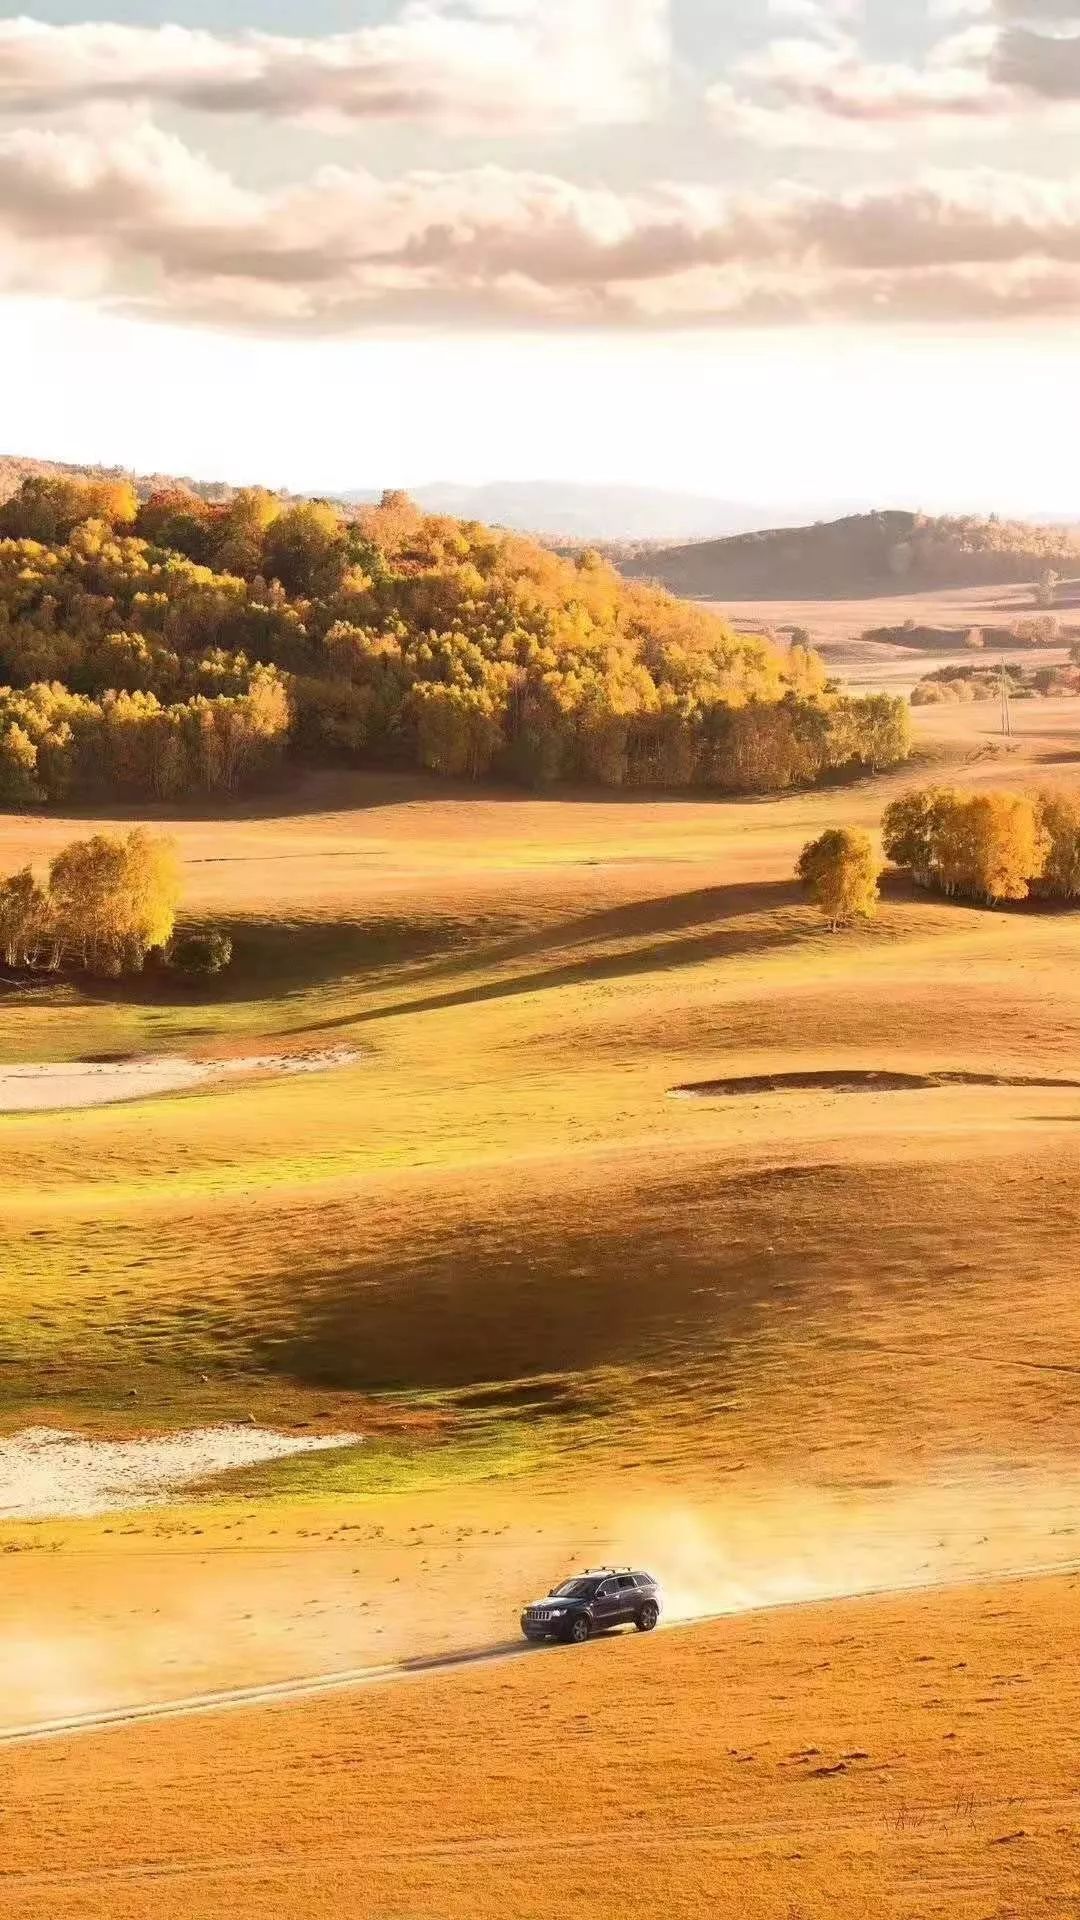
576, 1590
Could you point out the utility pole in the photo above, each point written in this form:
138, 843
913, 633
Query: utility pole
1006, 710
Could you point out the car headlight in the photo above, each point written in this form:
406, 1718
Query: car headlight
557, 1612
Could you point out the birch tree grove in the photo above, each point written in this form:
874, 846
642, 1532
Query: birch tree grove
168, 647
108, 901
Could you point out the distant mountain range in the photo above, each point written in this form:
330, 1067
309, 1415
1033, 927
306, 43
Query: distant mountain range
706, 548
563, 511
574, 513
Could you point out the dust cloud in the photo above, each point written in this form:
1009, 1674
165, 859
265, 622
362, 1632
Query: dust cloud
204, 1603
800, 1546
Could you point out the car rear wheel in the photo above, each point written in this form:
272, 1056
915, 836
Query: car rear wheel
579, 1629
647, 1618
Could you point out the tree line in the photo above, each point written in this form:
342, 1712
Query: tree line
988, 846
176, 646
105, 903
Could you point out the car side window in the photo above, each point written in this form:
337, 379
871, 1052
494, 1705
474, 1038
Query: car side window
608, 1590
627, 1582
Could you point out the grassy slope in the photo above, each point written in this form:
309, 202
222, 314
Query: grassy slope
913, 1756
504, 1190
781, 1344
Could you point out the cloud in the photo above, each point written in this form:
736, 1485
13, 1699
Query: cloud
835, 83
483, 66
130, 217
799, 92
823, 91
1036, 10
1041, 64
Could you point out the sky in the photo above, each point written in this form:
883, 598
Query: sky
758, 249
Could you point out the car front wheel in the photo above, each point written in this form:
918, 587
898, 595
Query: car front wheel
578, 1631
647, 1618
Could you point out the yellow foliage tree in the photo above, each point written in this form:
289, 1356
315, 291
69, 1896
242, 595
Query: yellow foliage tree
841, 872
1059, 815
112, 898
25, 919
988, 846
991, 846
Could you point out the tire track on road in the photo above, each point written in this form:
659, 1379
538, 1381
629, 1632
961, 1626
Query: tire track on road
355, 1679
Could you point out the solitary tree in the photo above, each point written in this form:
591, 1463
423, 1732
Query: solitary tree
1048, 584
841, 872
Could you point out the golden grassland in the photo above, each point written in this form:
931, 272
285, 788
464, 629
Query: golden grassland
912, 1756
503, 1188
781, 1343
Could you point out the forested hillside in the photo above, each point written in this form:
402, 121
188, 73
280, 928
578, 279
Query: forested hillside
16, 468
864, 554
174, 646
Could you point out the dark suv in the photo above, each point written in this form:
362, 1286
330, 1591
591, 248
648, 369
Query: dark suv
594, 1601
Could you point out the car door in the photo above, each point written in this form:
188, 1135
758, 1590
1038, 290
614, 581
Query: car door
628, 1597
606, 1608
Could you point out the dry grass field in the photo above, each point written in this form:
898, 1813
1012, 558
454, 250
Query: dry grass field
837, 627
911, 1757
794, 1339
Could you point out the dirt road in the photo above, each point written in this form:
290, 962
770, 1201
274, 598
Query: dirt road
315, 1686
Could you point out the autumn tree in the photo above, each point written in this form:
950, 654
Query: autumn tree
241, 532
306, 550
188, 650
112, 898
991, 846
1047, 587
910, 830
986, 846
25, 919
48, 507
1059, 816
178, 520
840, 873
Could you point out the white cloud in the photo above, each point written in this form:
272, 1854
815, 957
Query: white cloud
479, 65
797, 92
133, 219
1000, 69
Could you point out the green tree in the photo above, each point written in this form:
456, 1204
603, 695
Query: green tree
911, 828
306, 549
841, 873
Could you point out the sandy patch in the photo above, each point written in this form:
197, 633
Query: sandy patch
34, 1088
45, 1474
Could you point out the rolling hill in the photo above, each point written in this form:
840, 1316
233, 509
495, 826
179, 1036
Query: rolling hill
862, 555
